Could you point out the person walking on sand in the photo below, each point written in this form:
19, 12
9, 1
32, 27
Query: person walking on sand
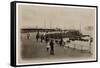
46, 39
48, 46
28, 35
51, 47
37, 36
42, 37
61, 42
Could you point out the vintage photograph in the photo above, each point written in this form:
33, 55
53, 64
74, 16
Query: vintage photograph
54, 33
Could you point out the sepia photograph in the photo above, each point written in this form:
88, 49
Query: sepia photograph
54, 33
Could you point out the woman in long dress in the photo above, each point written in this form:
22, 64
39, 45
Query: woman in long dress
37, 36
51, 47
48, 46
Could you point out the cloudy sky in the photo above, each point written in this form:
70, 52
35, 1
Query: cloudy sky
42, 16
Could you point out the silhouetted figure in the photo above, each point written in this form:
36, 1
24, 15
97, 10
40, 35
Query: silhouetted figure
61, 42
28, 35
56, 41
46, 39
48, 46
37, 36
68, 42
91, 40
51, 47
42, 37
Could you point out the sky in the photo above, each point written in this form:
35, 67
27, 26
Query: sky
64, 17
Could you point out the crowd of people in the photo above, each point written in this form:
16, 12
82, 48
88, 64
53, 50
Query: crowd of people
50, 42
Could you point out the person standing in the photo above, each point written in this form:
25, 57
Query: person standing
47, 46
51, 47
61, 42
42, 37
28, 35
37, 36
46, 39
90, 43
